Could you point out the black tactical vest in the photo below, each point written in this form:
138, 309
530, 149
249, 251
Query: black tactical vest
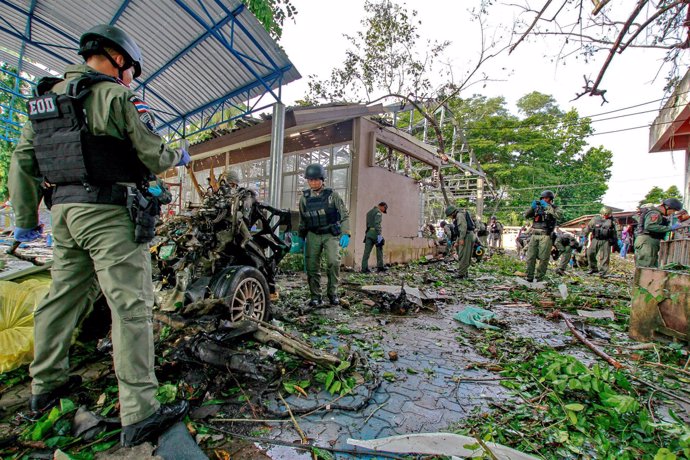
320, 211
603, 229
66, 151
543, 221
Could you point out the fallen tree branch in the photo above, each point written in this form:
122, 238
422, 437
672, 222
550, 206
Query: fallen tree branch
589, 344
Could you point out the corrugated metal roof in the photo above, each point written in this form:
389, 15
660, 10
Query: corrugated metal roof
200, 57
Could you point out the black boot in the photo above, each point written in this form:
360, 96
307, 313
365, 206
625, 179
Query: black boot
316, 302
365, 270
334, 299
44, 401
150, 428
381, 269
592, 271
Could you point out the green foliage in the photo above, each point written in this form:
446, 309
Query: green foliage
582, 412
166, 393
52, 422
384, 58
542, 148
335, 379
656, 195
272, 14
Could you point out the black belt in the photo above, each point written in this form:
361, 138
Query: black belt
96, 194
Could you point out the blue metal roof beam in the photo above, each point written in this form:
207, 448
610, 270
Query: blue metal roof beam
118, 13
184, 51
42, 22
227, 45
231, 95
20, 61
36, 44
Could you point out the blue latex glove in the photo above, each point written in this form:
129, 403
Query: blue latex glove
543, 203
344, 241
534, 204
185, 157
674, 227
155, 190
26, 235
379, 239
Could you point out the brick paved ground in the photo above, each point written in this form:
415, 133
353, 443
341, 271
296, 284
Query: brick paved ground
428, 393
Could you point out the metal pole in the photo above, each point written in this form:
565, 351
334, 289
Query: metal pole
480, 198
687, 180
276, 158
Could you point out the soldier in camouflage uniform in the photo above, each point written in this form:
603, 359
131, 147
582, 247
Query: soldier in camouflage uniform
482, 232
463, 238
115, 151
652, 229
604, 236
545, 216
566, 243
325, 224
374, 237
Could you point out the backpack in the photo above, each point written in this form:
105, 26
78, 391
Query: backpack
470, 222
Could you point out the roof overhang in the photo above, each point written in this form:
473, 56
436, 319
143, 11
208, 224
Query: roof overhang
205, 62
671, 128
297, 120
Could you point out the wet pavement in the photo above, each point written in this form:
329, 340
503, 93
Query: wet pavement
437, 380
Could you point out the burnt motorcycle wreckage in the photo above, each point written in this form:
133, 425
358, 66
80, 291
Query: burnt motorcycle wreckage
225, 253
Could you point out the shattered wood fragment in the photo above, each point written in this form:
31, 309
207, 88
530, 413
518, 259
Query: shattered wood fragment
278, 338
170, 320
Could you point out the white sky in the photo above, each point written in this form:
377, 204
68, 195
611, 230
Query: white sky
315, 44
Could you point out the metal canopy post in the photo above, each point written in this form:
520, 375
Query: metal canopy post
276, 158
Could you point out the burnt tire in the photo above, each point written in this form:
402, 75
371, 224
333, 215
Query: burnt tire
246, 291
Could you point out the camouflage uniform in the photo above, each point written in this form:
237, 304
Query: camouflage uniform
95, 240
603, 232
324, 239
648, 242
540, 242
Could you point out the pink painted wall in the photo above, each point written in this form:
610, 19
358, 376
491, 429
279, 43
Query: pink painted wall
371, 185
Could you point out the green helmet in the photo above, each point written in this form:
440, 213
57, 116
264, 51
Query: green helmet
450, 210
605, 211
232, 177
547, 194
673, 203
94, 40
315, 171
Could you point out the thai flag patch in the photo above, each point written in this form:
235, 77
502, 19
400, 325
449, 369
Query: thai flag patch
140, 105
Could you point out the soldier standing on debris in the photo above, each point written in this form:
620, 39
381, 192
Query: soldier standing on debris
495, 233
604, 236
93, 231
325, 223
652, 228
566, 243
482, 231
544, 216
374, 237
463, 237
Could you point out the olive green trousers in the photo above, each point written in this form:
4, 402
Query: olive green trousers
369, 243
598, 255
98, 240
647, 251
539, 249
465, 247
316, 244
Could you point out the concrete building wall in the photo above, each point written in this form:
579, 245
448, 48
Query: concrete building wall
371, 185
